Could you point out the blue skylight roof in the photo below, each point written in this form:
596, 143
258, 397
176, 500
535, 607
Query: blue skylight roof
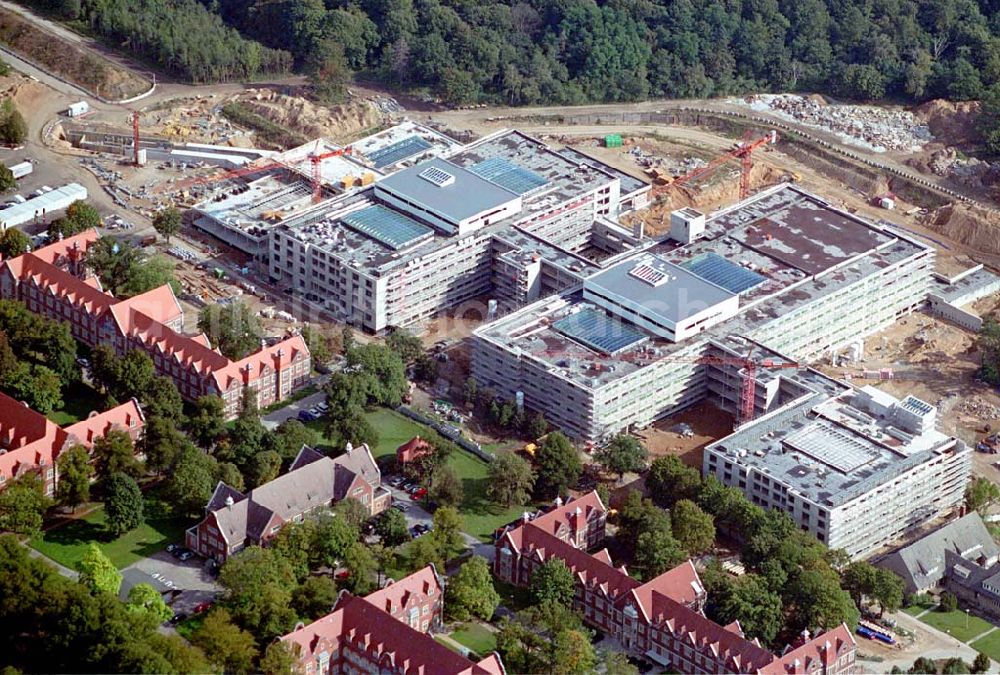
508, 175
387, 226
721, 272
598, 331
398, 151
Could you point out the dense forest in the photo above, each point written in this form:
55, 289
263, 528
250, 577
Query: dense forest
181, 36
570, 51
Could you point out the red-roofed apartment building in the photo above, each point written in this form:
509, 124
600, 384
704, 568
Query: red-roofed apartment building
53, 281
661, 619
234, 520
385, 632
30, 442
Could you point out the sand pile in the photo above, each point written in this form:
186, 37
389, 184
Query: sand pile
953, 122
338, 122
973, 226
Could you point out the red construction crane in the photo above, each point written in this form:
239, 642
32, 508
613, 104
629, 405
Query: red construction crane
743, 151
135, 137
317, 176
221, 176
748, 383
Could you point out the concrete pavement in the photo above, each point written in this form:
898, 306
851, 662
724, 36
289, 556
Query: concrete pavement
934, 644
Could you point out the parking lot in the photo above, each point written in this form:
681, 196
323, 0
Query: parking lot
191, 577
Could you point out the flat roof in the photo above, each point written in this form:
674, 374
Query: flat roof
598, 331
826, 447
387, 226
402, 145
629, 182
458, 195
784, 289
659, 287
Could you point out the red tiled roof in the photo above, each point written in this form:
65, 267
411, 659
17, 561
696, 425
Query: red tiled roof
823, 649
574, 514
362, 623
413, 448
403, 593
31, 439
70, 247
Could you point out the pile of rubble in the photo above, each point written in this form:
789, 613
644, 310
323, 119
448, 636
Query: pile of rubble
870, 127
979, 408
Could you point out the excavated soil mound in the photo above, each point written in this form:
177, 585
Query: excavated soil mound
954, 123
969, 225
311, 120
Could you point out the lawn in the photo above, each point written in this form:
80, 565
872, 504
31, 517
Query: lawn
67, 543
962, 626
393, 430
79, 400
989, 645
476, 637
481, 515
919, 607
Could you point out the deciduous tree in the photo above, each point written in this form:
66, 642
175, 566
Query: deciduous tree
75, 473
692, 527
226, 644
13, 242
669, 479
445, 487
510, 479
470, 592
144, 599
391, 527
234, 328
558, 466
167, 222
623, 454
22, 505
553, 582
97, 572
122, 503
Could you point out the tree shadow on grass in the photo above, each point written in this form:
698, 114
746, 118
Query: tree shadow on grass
475, 502
77, 532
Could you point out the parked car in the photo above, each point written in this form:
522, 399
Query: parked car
420, 494
414, 489
316, 411
323, 407
306, 416
177, 618
185, 555
407, 485
173, 547
203, 607
396, 481
342, 575
400, 506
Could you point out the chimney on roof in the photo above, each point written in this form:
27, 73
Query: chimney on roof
349, 447
525, 517
558, 502
805, 635
229, 501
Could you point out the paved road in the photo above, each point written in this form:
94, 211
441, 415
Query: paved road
191, 578
935, 644
416, 514
272, 419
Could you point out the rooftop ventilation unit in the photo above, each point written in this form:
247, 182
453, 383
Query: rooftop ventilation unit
649, 274
434, 175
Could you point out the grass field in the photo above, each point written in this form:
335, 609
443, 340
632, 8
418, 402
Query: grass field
476, 637
481, 515
67, 543
961, 625
918, 608
79, 400
989, 645
393, 430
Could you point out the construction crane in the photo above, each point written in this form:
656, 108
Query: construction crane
743, 151
317, 164
135, 137
748, 380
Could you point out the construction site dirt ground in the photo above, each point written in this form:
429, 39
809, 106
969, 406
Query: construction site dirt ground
708, 422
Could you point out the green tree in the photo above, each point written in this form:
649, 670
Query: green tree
314, 598
75, 473
162, 399
423, 552
257, 591
470, 592
614, 662
162, 443
22, 505
289, 438
13, 242
263, 468
234, 328
948, 603
819, 600
981, 493
190, 483
692, 527
510, 479
746, 599
445, 487
167, 222
553, 582
408, 346
669, 480
447, 531
362, 567
391, 527
144, 599
97, 572
13, 128
923, 666
458, 87
8, 182
122, 503
573, 652
536, 426
85, 216
114, 453
657, 551
278, 659
229, 646
207, 423
558, 466
38, 386
352, 511
334, 535
953, 666
623, 454
981, 664
328, 72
